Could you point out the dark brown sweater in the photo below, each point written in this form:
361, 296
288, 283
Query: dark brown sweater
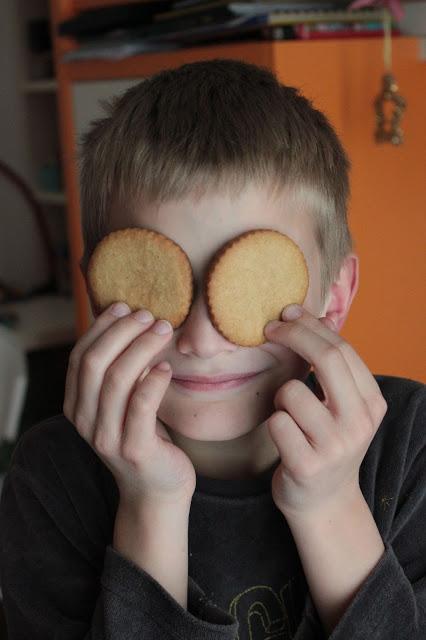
61, 578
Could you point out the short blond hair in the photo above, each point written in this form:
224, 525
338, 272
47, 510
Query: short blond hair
215, 124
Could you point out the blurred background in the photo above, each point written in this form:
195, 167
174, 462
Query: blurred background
58, 59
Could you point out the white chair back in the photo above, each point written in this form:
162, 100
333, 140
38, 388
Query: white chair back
13, 383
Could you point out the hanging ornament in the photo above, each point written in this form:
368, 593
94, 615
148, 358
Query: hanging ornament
389, 129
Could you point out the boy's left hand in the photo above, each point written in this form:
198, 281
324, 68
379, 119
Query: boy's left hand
321, 442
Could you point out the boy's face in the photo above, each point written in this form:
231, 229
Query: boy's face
201, 226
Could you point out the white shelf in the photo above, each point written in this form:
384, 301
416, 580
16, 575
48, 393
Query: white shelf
47, 85
50, 197
44, 321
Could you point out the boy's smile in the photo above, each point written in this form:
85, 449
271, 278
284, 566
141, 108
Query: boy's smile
220, 426
229, 381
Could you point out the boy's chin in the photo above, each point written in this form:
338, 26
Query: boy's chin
229, 414
213, 421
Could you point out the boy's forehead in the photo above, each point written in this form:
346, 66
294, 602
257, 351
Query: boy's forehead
201, 225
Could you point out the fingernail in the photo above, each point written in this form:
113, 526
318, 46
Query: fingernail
119, 309
144, 373
162, 327
164, 366
331, 324
143, 316
272, 325
292, 312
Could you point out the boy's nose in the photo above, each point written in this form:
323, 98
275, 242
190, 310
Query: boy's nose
198, 336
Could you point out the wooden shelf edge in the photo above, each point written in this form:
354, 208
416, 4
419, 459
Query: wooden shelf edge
44, 85
149, 63
51, 197
44, 321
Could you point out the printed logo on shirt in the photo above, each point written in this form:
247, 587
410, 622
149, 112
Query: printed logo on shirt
262, 613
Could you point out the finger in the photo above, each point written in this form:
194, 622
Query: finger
307, 411
328, 329
139, 433
368, 387
367, 384
322, 348
119, 381
94, 363
99, 326
290, 441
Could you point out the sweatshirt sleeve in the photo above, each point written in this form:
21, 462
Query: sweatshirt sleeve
391, 603
54, 587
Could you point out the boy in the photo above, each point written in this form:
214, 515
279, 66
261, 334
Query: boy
288, 506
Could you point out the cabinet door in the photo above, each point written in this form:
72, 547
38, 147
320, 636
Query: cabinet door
386, 323
86, 97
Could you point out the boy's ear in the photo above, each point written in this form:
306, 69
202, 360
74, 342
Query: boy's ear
342, 291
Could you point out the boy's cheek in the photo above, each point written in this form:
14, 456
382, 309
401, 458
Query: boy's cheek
288, 363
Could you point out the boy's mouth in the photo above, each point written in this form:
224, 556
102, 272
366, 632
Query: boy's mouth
204, 383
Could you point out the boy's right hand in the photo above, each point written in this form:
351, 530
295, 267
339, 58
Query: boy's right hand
115, 411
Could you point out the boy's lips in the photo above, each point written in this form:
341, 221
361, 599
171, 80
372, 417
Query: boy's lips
218, 383
216, 379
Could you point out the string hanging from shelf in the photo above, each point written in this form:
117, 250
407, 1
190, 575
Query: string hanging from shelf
389, 129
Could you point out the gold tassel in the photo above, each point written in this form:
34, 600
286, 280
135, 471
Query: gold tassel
389, 130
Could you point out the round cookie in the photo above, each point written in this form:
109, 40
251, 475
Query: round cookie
143, 268
250, 281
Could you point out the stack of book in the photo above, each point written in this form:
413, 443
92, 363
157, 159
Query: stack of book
341, 30
125, 30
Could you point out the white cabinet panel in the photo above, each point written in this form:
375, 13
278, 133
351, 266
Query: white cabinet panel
86, 96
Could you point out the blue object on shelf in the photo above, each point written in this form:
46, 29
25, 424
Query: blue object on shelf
50, 177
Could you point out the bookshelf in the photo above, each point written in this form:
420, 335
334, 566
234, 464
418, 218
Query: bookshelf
38, 87
43, 320
342, 77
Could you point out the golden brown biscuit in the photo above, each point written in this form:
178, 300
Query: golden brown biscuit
144, 269
249, 282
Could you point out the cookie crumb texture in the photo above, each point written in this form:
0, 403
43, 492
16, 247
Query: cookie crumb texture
144, 269
251, 279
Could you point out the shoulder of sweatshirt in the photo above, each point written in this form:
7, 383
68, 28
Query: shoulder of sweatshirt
56, 441
406, 411
52, 457
53, 466
394, 466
